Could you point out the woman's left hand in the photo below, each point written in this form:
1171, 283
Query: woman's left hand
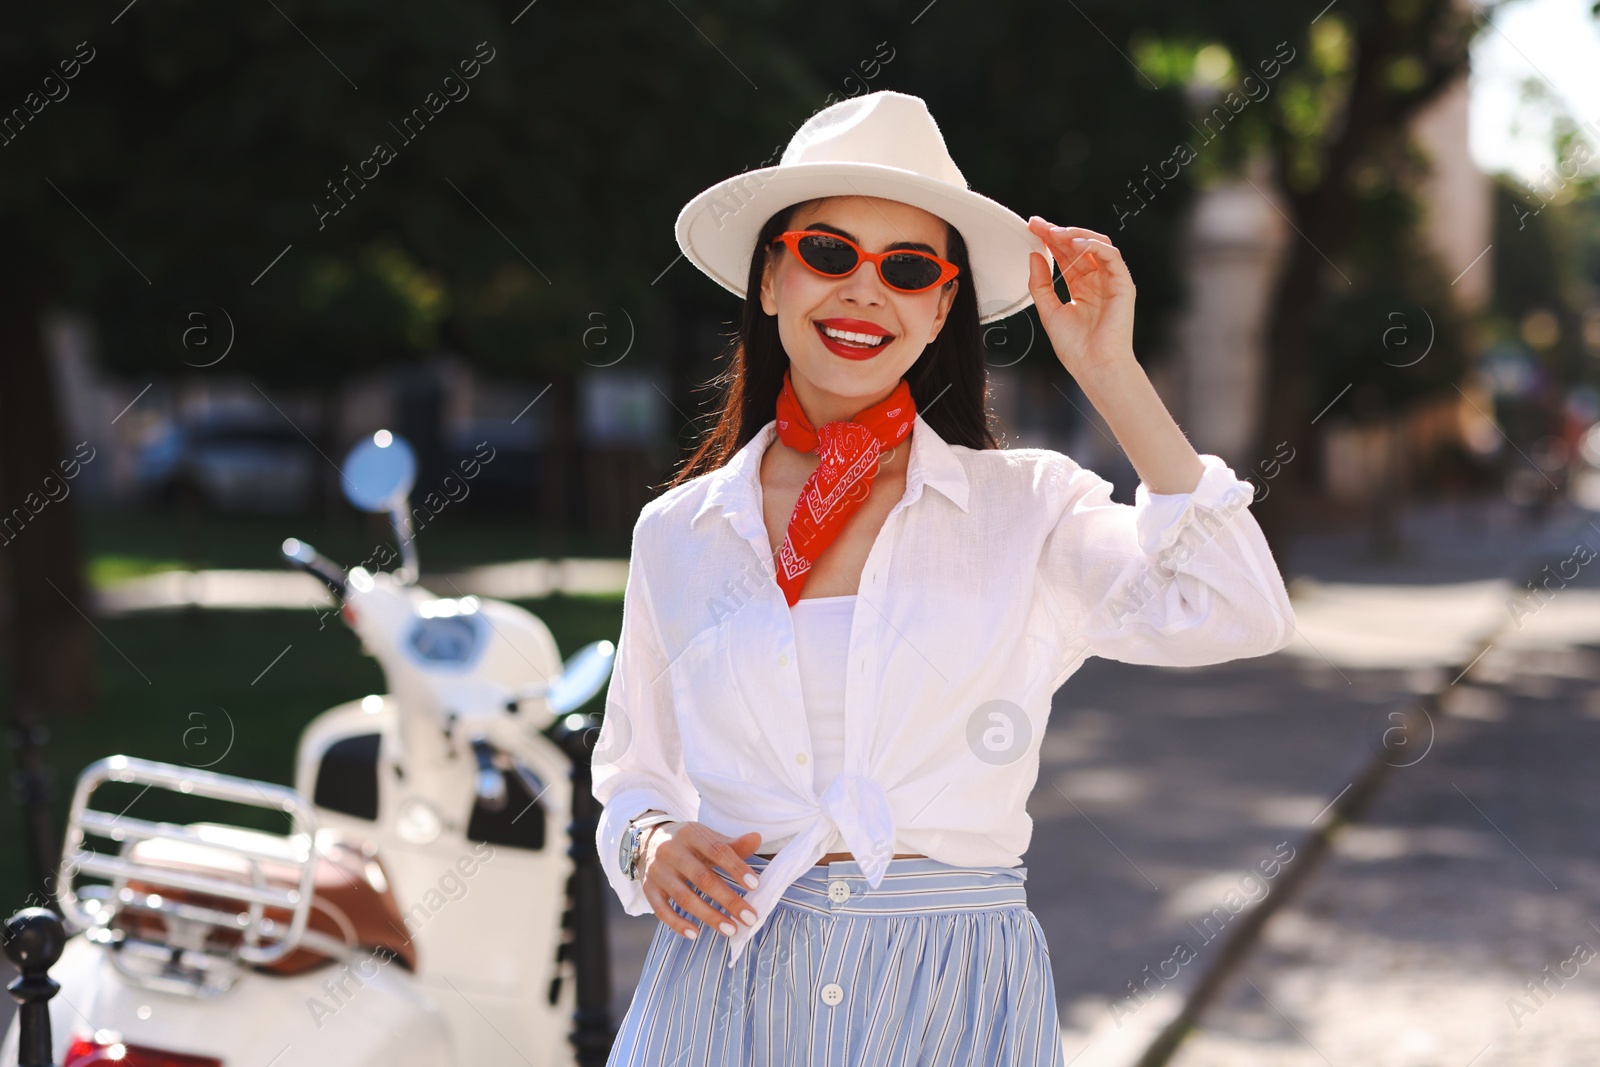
1095, 329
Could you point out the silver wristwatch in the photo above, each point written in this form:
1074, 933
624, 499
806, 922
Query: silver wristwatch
628, 851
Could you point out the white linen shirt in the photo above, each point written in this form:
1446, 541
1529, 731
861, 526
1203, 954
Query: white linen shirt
976, 603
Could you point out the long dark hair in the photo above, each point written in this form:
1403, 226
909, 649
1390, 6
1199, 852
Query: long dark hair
949, 381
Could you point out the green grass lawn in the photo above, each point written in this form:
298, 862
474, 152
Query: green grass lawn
175, 685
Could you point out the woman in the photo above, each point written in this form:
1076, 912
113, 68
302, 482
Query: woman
831, 683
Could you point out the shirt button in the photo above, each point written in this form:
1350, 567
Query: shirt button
783, 660
839, 891
832, 993
800, 758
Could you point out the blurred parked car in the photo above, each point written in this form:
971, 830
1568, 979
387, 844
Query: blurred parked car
232, 463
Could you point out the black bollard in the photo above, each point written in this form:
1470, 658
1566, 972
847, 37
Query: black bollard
592, 1032
34, 941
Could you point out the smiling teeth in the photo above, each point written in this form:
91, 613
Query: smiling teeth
858, 338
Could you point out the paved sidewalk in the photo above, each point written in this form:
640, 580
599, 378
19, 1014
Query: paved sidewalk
1459, 922
1477, 871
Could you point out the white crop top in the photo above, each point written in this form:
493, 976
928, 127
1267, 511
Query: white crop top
822, 641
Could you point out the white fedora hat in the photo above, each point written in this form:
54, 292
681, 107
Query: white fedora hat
882, 144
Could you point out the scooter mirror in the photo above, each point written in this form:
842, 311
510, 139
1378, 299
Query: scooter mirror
379, 472
582, 676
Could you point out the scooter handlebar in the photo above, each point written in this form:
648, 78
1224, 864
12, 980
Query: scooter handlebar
299, 554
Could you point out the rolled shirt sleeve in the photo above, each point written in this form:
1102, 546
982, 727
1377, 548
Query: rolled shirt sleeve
1175, 579
638, 757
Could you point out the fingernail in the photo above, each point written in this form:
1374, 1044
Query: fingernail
691, 933
752, 881
749, 917
726, 928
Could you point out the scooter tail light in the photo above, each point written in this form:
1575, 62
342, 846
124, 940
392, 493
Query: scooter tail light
86, 1052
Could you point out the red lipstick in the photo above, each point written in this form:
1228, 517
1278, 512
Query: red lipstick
848, 348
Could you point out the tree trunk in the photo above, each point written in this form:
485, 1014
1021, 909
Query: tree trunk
562, 500
49, 641
1321, 218
1375, 112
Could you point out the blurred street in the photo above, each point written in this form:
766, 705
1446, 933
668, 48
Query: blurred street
1161, 789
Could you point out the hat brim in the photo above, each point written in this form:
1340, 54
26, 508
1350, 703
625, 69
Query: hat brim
717, 230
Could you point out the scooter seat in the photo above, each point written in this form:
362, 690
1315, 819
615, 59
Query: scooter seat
351, 897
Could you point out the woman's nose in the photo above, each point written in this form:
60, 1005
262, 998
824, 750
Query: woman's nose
864, 287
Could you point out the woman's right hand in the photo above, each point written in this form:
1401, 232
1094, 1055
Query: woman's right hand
678, 859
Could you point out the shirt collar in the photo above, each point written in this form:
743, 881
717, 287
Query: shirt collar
733, 486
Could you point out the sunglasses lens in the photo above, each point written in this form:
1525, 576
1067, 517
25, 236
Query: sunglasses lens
827, 254
910, 271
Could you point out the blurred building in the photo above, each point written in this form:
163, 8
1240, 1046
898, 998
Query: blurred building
1457, 198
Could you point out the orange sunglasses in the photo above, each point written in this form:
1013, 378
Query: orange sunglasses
901, 269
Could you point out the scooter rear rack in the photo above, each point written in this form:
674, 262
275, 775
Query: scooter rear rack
183, 961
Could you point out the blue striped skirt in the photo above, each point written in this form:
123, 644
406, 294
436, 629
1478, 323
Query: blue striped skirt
939, 965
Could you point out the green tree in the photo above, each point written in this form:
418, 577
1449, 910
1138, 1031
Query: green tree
1371, 68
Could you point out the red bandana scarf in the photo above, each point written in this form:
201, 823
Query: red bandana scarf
849, 452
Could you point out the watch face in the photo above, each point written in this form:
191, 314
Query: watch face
625, 852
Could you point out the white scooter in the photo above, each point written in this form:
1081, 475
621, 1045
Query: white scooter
432, 898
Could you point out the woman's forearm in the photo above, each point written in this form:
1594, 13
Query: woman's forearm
1124, 396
